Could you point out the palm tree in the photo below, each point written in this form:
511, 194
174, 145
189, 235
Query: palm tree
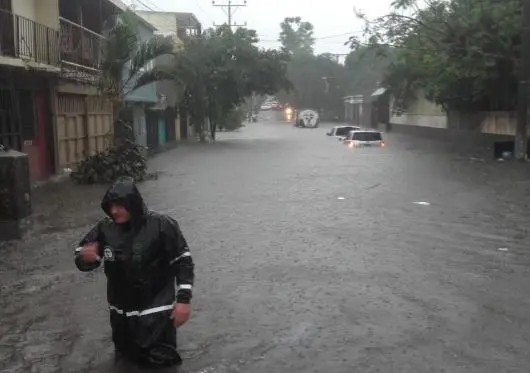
126, 60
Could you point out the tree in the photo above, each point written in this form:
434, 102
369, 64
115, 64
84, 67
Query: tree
319, 83
367, 67
463, 53
222, 68
123, 70
296, 36
125, 59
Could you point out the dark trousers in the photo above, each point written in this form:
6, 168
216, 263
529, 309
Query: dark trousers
159, 350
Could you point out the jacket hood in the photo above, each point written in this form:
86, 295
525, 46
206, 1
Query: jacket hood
125, 193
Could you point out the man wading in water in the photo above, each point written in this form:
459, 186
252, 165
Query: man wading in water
149, 272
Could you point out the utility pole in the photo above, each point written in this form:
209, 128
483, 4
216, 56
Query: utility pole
338, 56
521, 135
230, 9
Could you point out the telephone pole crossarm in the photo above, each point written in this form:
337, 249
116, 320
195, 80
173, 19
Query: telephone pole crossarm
230, 8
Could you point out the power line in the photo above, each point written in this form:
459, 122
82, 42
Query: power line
322, 37
152, 4
230, 9
163, 23
338, 35
144, 4
204, 11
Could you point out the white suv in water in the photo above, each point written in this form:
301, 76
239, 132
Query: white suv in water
362, 138
341, 132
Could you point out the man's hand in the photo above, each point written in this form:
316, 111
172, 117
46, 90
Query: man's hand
180, 314
89, 253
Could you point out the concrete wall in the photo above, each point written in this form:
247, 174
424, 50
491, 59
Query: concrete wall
24, 8
424, 113
465, 133
47, 13
420, 112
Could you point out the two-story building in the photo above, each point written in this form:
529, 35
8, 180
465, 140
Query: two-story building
50, 56
143, 103
83, 120
180, 26
50, 64
29, 64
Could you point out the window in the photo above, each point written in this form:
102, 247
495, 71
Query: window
367, 136
191, 31
342, 131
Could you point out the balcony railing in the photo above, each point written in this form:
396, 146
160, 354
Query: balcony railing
24, 38
80, 46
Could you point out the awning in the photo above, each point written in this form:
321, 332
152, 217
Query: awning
379, 92
357, 99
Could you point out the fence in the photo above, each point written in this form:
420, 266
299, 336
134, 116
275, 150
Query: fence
24, 38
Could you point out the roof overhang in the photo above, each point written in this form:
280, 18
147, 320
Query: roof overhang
379, 92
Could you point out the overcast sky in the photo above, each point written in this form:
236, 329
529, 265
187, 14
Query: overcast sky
334, 20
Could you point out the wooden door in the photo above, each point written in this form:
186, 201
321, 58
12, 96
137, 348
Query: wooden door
84, 127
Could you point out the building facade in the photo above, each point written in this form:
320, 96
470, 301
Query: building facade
84, 122
140, 101
50, 65
180, 26
29, 66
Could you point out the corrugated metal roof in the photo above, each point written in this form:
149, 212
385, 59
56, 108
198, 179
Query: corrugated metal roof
123, 7
186, 19
182, 18
119, 4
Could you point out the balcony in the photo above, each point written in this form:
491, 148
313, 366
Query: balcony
28, 40
81, 52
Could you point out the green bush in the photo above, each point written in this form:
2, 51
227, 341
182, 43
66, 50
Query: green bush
126, 159
234, 119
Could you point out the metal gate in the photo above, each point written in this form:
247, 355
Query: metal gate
170, 124
183, 115
152, 131
84, 127
10, 128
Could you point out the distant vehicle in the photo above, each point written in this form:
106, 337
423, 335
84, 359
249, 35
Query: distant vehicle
290, 113
275, 105
341, 132
307, 118
362, 138
266, 107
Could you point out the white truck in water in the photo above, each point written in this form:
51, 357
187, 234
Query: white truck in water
307, 118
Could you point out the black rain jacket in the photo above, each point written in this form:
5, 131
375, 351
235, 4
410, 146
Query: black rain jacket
148, 267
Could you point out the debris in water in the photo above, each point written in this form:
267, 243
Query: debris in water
507, 155
422, 203
373, 186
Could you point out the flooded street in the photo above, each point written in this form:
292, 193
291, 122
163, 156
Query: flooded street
310, 257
